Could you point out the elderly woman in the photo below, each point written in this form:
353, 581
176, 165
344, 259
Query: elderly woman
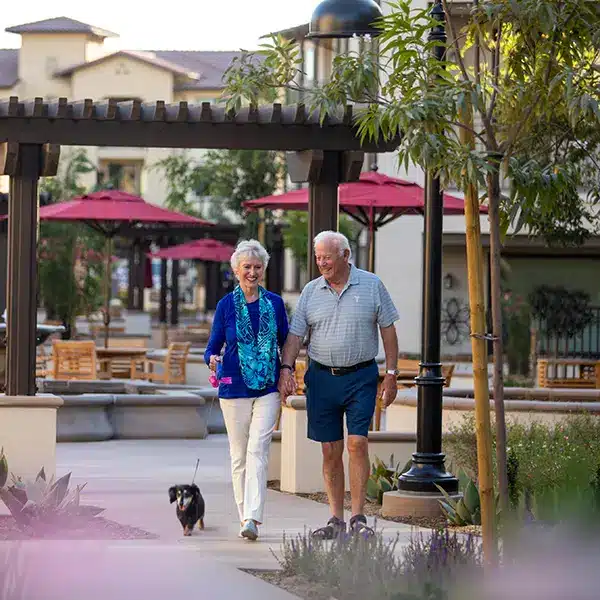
252, 324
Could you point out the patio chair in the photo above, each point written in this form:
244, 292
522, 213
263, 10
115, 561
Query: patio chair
42, 360
74, 360
173, 366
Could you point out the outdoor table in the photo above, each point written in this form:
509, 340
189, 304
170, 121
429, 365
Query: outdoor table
107, 355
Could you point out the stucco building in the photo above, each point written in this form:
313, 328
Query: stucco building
62, 57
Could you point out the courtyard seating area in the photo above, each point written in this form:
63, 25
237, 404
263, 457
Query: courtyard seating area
120, 357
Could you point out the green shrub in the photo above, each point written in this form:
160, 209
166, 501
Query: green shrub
384, 478
554, 464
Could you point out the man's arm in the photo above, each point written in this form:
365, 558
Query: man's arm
291, 349
390, 346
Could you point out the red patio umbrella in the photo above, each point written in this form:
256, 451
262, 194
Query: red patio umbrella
205, 249
112, 212
375, 200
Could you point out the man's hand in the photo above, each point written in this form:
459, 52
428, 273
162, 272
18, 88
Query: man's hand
287, 384
390, 389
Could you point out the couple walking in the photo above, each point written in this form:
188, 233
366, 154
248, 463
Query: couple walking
341, 313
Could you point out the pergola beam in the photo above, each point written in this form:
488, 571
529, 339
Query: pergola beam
181, 125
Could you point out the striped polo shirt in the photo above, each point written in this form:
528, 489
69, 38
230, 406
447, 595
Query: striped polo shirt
344, 328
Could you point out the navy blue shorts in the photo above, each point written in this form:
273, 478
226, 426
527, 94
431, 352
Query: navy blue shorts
330, 397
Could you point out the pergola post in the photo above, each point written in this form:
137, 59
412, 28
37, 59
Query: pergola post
324, 170
131, 277
175, 292
25, 164
162, 300
212, 282
275, 270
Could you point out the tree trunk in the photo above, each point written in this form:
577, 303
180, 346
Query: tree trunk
493, 183
480, 364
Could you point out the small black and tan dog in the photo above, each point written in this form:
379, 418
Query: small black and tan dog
190, 506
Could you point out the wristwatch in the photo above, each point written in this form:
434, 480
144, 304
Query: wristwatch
287, 367
393, 372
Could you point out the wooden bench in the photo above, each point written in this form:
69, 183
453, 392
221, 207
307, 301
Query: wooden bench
577, 373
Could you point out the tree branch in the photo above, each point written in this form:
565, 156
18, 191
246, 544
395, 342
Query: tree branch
459, 58
508, 145
496, 70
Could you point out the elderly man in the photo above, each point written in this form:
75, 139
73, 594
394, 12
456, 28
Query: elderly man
341, 312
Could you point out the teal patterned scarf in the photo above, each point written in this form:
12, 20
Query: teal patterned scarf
257, 353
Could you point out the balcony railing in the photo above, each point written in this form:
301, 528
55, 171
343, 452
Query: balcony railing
585, 344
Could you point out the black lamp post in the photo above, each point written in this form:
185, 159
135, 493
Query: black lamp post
347, 18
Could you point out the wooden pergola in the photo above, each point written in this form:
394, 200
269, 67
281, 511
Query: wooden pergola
322, 153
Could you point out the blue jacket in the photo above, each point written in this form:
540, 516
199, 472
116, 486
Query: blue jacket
223, 332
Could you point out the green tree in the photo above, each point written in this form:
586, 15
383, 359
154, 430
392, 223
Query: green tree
295, 234
70, 265
180, 174
227, 178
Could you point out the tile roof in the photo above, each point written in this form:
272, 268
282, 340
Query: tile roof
9, 67
204, 69
147, 57
210, 65
60, 25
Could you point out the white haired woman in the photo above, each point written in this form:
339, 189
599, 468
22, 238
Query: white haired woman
252, 324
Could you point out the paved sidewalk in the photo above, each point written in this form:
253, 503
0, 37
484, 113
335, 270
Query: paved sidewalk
130, 479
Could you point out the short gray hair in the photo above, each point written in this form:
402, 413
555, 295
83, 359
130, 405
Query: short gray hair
250, 248
339, 239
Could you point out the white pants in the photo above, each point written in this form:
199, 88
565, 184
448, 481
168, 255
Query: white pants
250, 423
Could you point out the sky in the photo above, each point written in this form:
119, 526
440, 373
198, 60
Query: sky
205, 25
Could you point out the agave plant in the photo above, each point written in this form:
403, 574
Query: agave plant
383, 478
42, 503
466, 510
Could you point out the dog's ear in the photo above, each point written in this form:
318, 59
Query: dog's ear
172, 494
195, 490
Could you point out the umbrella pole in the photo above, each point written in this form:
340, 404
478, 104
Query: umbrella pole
371, 241
107, 289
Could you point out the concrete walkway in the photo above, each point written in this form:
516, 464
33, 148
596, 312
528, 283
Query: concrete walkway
130, 479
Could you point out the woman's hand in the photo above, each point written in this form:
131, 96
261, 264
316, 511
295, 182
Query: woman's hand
212, 365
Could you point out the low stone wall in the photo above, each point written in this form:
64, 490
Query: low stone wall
296, 461
402, 414
93, 417
161, 416
540, 394
28, 433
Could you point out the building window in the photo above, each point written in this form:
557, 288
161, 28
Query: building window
122, 69
125, 175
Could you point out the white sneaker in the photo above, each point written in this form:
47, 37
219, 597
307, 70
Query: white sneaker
249, 530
